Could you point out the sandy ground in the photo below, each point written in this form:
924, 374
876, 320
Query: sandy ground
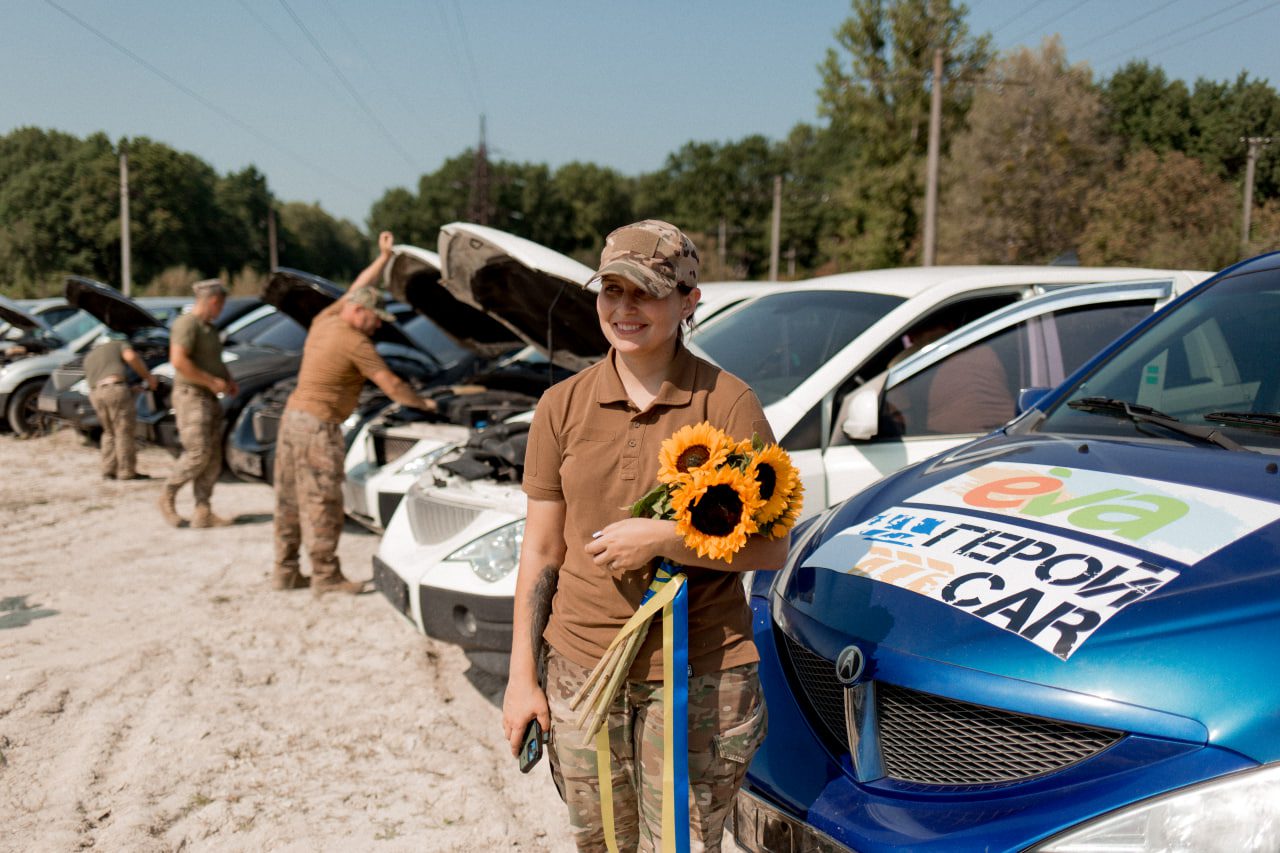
156, 695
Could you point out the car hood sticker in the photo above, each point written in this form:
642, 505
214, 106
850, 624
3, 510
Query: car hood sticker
1174, 521
1050, 590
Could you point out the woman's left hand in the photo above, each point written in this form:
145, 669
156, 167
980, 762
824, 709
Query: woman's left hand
630, 544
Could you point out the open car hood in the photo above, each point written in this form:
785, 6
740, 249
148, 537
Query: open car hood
303, 295
18, 317
413, 277
117, 312
519, 282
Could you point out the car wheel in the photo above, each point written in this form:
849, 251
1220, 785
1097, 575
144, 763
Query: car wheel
24, 415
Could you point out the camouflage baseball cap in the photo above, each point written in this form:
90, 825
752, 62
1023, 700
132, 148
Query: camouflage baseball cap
654, 254
371, 298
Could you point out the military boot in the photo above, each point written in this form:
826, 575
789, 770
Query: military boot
168, 510
286, 580
204, 517
340, 584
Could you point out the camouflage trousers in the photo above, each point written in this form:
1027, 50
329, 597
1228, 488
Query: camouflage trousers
727, 722
308, 480
118, 416
199, 419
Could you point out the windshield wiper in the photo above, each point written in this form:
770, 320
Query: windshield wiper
1146, 415
1266, 421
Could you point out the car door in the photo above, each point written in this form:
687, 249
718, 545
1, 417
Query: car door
969, 384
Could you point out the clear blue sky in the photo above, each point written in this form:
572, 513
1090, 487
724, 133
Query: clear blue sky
397, 86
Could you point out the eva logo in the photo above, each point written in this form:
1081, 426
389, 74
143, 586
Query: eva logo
1127, 513
1171, 520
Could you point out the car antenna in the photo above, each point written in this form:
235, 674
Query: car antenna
551, 361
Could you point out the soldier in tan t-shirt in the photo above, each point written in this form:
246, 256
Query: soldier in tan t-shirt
585, 563
337, 359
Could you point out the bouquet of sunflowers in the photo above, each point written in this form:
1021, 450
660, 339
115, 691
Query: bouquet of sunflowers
720, 491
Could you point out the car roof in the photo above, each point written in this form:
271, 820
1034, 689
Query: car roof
907, 282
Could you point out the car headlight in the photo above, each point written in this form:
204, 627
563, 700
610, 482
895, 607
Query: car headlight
81, 387
419, 464
494, 555
1236, 812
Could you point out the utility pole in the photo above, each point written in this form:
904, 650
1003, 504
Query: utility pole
776, 236
478, 203
273, 257
126, 272
720, 247
931, 169
1254, 142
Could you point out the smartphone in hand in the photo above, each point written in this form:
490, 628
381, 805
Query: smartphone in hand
531, 746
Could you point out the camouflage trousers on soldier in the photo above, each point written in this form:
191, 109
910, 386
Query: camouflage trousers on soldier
727, 722
199, 418
114, 406
308, 480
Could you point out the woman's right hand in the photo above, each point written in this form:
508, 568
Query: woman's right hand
520, 704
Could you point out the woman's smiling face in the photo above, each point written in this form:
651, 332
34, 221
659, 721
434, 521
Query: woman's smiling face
636, 321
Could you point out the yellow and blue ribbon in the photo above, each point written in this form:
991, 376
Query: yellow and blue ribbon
668, 592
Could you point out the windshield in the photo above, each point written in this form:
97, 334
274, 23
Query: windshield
1214, 353
277, 331
428, 336
74, 326
778, 341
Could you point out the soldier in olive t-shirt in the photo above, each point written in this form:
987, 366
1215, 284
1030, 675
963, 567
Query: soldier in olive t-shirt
195, 351
106, 374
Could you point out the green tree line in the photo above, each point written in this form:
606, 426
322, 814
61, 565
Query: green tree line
1041, 161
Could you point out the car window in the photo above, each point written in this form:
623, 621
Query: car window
74, 326
776, 342
428, 336
973, 391
278, 331
1215, 352
1084, 331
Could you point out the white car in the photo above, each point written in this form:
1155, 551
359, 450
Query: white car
448, 557
24, 370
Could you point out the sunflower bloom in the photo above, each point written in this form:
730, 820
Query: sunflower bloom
692, 448
714, 511
779, 483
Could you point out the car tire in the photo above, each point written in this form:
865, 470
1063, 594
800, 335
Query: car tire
24, 414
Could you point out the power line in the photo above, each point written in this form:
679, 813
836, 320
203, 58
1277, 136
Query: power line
466, 47
280, 40
382, 128
1215, 29
1172, 32
464, 81
203, 100
1013, 18
386, 80
1045, 26
1129, 23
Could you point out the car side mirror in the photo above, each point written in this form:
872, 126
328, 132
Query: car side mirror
1028, 397
860, 413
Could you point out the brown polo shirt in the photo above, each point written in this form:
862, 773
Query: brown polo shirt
590, 447
336, 360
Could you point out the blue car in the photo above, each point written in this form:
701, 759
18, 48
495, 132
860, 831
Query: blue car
1064, 636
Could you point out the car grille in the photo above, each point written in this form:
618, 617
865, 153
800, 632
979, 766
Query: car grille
266, 426
938, 741
932, 740
355, 499
389, 448
815, 676
434, 522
